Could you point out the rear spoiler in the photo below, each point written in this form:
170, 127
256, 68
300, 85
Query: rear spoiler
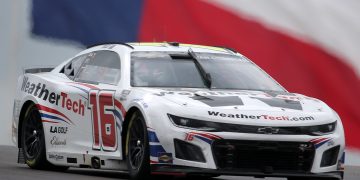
37, 70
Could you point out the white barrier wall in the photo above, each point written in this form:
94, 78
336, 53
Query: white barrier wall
19, 49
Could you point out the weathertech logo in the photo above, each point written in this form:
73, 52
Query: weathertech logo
61, 99
264, 117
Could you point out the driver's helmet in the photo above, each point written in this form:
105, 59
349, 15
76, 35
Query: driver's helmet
151, 74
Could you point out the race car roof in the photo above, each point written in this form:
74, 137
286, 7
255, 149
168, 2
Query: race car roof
170, 46
177, 46
173, 46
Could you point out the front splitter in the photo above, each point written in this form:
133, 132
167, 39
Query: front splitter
186, 170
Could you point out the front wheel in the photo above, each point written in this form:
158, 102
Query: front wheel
137, 148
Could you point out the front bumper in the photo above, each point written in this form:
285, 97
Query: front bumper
184, 170
163, 152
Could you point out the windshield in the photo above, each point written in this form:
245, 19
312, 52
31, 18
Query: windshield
177, 69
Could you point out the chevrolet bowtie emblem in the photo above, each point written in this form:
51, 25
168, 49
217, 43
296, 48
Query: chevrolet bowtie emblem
268, 130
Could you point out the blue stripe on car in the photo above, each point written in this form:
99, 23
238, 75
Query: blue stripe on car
209, 141
321, 143
156, 149
51, 117
152, 137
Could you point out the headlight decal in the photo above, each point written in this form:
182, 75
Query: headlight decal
321, 129
193, 123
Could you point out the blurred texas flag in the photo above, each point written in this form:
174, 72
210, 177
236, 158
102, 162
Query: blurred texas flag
310, 46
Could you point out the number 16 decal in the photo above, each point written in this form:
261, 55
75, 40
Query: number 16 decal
101, 104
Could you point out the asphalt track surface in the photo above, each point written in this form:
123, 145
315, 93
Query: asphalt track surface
10, 170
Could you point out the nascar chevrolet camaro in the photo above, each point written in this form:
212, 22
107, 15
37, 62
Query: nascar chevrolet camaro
174, 109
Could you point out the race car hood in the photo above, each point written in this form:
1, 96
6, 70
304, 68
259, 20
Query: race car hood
248, 107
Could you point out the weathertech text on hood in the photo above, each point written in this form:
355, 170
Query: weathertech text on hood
264, 117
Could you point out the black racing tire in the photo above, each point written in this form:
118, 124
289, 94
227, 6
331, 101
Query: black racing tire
137, 148
33, 141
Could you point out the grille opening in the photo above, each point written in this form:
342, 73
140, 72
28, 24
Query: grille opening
263, 156
72, 160
188, 151
330, 156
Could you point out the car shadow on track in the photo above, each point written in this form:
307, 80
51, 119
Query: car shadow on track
89, 174
124, 175
99, 173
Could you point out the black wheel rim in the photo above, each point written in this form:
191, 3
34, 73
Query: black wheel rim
136, 144
33, 135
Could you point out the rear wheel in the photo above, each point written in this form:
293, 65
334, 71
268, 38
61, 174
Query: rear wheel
33, 141
137, 148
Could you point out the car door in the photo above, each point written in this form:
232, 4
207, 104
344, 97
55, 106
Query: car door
99, 132
69, 110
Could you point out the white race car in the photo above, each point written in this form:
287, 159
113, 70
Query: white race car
174, 109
